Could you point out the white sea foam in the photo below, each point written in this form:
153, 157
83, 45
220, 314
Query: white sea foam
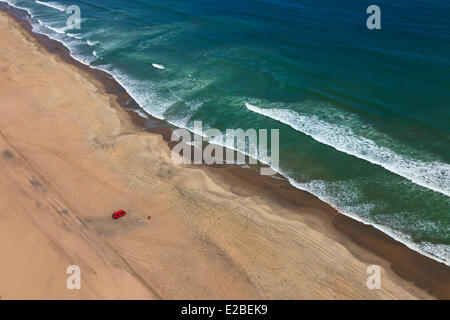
53, 5
13, 3
344, 198
158, 66
143, 94
432, 175
92, 43
57, 30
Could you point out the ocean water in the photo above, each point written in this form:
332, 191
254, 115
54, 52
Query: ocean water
364, 116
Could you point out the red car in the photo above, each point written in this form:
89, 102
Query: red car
118, 214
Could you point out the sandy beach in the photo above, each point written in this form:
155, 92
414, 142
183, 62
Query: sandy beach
70, 155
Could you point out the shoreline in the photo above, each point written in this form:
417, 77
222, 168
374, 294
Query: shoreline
356, 236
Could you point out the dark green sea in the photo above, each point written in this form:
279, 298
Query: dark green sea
364, 115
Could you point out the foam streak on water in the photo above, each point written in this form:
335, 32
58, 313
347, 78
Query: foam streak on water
211, 89
53, 5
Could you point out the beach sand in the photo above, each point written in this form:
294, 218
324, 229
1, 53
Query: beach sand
70, 155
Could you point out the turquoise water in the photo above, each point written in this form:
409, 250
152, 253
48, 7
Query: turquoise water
363, 115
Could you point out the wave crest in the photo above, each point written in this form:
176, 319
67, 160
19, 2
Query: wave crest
432, 175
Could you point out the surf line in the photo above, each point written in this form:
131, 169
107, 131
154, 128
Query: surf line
158, 66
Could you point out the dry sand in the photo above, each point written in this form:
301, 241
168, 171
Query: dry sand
70, 156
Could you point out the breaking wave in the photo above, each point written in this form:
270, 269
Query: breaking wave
432, 175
